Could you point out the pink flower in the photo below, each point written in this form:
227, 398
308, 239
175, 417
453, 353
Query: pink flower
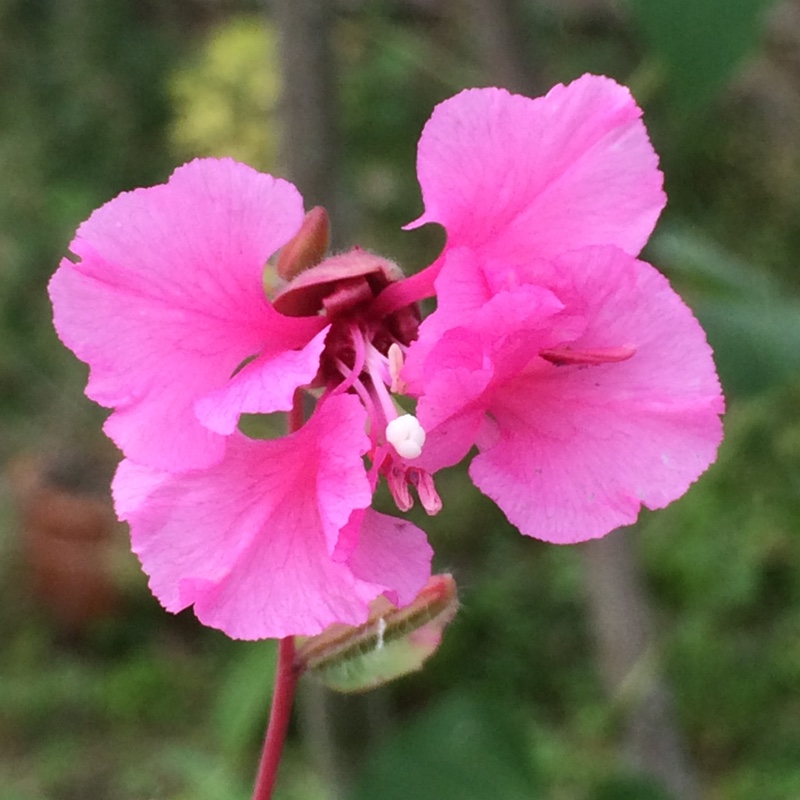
167, 305
582, 378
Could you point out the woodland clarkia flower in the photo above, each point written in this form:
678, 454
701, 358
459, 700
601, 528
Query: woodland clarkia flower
582, 378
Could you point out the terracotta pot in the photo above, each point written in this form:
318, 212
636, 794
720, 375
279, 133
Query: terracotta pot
67, 534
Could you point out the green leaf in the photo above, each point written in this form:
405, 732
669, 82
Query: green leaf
465, 748
692, 254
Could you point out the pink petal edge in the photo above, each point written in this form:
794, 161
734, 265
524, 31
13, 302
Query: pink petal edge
521, 177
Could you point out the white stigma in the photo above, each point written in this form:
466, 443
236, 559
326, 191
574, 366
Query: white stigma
406, 435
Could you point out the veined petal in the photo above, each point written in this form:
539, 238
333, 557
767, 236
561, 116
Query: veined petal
570, 471
167, 301
505, 303
249, 541
462, 290
490, 339
573, 450
262, 386
580, 449
392, 553
453, 407
537, 177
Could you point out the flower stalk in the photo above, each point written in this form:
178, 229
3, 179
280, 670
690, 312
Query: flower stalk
280, 713
287, 671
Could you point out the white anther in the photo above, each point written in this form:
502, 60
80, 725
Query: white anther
395, 356
406, 435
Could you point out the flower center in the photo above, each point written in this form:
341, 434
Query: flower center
364, 354
343, 288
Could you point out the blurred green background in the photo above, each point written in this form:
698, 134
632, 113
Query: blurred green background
104, 695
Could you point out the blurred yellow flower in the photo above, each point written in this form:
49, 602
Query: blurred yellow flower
225, 99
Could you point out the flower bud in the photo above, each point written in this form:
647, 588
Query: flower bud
308, 246
391, 643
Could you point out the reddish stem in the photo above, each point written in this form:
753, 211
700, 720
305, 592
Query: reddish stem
279, 715
286, 676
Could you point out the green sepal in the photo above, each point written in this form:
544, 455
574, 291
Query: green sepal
391, 643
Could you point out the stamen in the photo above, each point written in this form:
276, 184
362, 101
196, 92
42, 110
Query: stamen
426, 489
377, 363
399, 478
396, 358
351, 380
398, 485
379, 388
566, 356
351, 376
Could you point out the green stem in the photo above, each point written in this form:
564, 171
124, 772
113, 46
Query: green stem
279, 715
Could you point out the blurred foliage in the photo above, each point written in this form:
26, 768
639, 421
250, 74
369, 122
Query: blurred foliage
98, 97
734, 597
697, 45
225, 98
82, 109
463, 747
752, 323
391, 77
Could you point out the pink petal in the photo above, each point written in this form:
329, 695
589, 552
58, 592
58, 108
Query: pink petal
264, 385
477, 329
249, 541
582, 448
462, 290
133, 484
393, 553
452, 409
576, 450
167, 301
465, 343
628, 302
570, 470
536, 177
